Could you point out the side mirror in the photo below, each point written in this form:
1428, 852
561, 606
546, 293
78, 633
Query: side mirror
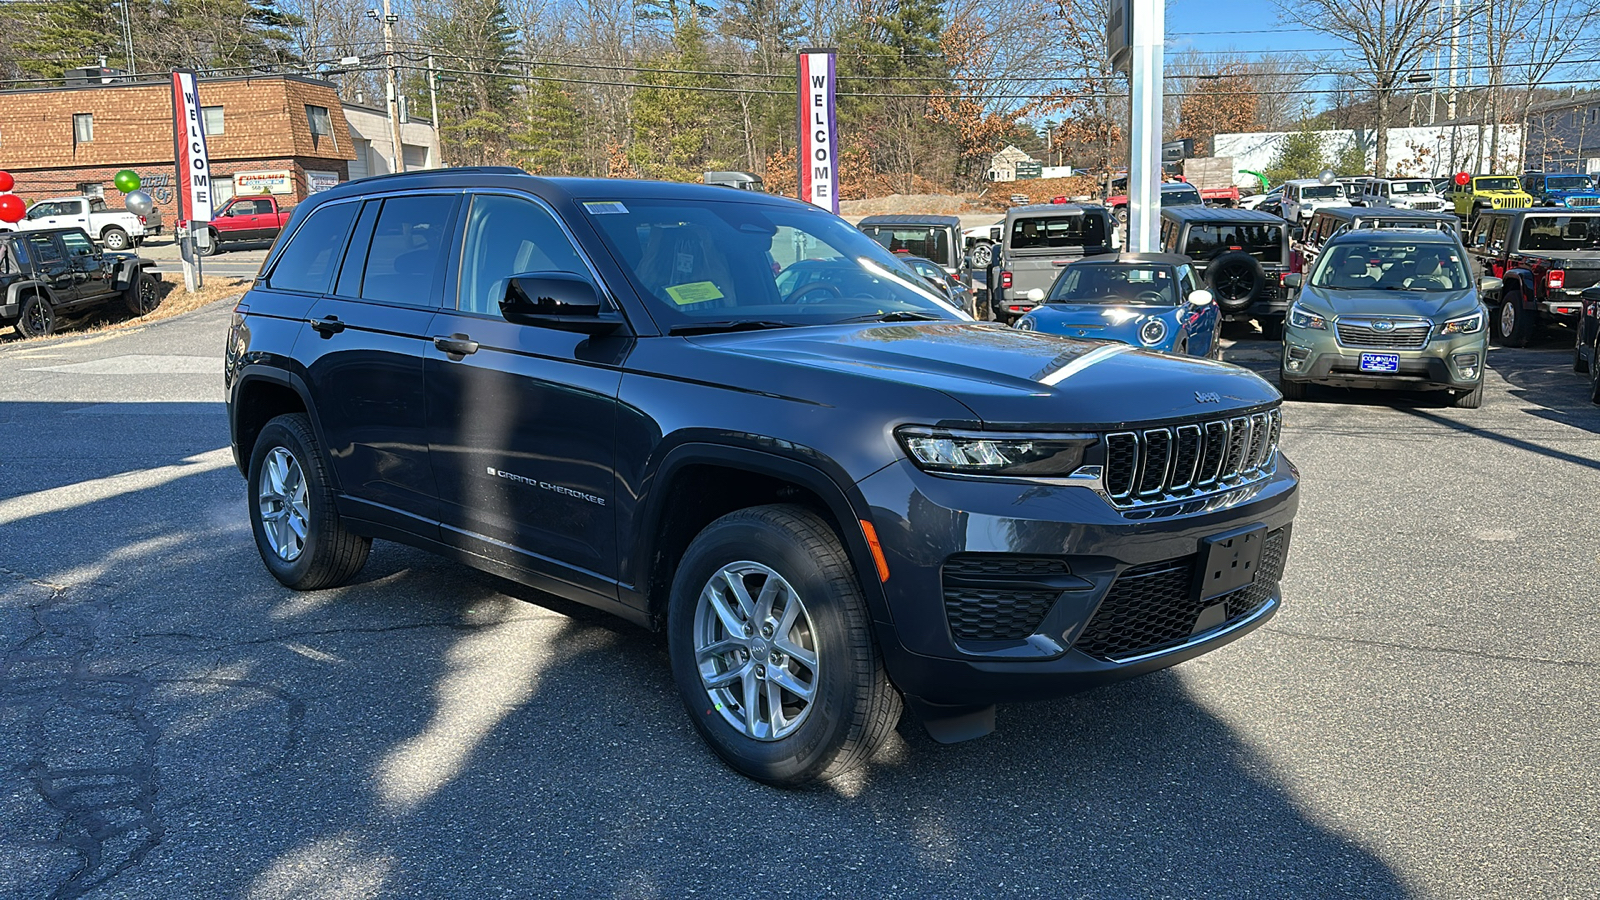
1489, 285
1293, 280
1201, 297
1034, 296
556, 300
1297, 233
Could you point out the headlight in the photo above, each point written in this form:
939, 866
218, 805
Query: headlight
1465, 325
1152, 331
1300, 317
1025, 323
979, 453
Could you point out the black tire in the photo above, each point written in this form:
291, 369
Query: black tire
37, 317
115, 238
143, 296
1291, 390
210, 248
982, 252
1467, 399
1513, 325
1236, 281
1271, 329
854, 708
330, 554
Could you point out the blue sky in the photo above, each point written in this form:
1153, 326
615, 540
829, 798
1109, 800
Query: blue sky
1237, 25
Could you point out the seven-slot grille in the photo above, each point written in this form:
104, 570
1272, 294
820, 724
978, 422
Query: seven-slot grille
1402, 334
1583, 201
1427, 204
1156, 465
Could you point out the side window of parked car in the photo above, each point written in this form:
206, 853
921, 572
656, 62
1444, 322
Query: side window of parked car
77, 244
44, 250
407, 250
306, 263
509, 236
1498, 231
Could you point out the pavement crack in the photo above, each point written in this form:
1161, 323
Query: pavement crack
1421, 648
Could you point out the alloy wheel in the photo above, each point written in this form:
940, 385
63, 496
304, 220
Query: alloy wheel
147, 295
1508, 320
1234, 283
755, 648
285, 507
40, 319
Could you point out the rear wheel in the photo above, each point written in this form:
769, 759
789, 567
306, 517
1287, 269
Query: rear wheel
143, 296
37, 318
1513, 323
297, 527
1579, 364
772, 651
1594, 371
209, 248
115, 239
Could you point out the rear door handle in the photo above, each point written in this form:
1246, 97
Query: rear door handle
456, 346
327, 327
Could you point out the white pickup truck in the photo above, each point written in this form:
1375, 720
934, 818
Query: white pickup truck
114, 229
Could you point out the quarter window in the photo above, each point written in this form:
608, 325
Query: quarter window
509, 236
407, 250
306, 264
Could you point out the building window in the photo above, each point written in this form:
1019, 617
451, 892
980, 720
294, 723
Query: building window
211, 120
321, 124
82, 128
1591, 115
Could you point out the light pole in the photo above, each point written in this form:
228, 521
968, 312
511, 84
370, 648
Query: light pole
391, 101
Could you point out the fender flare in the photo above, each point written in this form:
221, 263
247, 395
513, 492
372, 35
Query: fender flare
843, 498
1518, 280
14, 291
253, 373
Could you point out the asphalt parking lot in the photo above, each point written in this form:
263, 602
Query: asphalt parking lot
1419, 721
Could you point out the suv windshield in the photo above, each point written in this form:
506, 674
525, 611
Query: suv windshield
1321, 191
1208, 240
1103, 283
1396, 265
1042, 232
1567, 183
1560, 233
706, 260
1494, 184
1411, 187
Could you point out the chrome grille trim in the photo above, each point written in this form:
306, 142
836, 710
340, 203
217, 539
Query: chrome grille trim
1188, 461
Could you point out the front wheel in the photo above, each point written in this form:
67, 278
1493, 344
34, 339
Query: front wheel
37, 317
115, 239
772, 651
1513, 324
1467, 399
1291, 390
143, 296
297, 527
209, 248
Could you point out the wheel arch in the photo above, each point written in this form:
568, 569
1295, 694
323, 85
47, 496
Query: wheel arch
1519, 280
15, 292
259, 395
697, 483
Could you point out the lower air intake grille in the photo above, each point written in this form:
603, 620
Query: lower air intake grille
998, 611
1154, 606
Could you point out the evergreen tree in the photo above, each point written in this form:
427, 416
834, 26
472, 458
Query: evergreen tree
65, 34
476, 37
1301, 155
549, 144
674, 126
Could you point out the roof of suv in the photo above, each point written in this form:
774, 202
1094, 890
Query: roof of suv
573, 188
1219, 214
904, 219
1154, 259
1034, 209
1415, 235
1351, 213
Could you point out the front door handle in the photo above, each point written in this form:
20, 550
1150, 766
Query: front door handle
455, 346
327, 327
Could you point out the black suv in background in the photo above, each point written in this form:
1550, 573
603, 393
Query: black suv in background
1241, 254
735, 417
1545, 259
51, 272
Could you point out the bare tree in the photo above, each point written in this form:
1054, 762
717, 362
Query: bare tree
1390, 38
1527, 40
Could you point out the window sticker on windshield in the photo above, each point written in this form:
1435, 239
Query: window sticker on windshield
694, 292
605, 208
1143, 276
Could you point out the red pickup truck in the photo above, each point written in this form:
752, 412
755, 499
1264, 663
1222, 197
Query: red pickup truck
246, 219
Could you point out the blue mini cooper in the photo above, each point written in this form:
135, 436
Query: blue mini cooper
1149, 300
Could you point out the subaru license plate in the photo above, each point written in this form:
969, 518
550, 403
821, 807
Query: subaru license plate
1380, 362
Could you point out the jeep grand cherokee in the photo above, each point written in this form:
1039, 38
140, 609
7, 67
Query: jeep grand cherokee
834, 492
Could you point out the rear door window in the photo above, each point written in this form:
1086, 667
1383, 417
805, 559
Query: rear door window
1207, 241
306, 264
1559, 233
44, 249
407, 251
1053, 232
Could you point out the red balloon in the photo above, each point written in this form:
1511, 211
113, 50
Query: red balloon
6, 182
1462, 178
11, 208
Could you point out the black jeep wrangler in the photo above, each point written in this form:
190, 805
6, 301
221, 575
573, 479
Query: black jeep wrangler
54, 271
734, 417
1545, 259
1243, 256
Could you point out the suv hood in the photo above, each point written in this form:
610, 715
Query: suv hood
1007, 378
1428, 305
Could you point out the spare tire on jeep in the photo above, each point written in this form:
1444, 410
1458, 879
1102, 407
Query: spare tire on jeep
1236, 281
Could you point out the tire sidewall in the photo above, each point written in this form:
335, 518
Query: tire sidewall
808, 750
279, 433
115, 239
134, 299
26, 312
1229, 260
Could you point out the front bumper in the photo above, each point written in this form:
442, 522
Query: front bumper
1318, 357
934, 648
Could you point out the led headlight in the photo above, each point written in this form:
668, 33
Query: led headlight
1152, 331
986, 453
1464, 325
1300, 317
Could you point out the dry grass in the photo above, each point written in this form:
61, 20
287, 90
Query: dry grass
113, 316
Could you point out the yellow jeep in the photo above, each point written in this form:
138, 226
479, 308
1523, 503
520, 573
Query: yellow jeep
1489, 192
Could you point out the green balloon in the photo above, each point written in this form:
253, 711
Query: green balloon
126, 181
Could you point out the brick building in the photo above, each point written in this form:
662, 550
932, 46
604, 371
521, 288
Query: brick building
280, 133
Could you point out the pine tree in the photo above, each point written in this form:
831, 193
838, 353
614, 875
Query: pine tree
66, 34
476, 37
549, 144
674, 125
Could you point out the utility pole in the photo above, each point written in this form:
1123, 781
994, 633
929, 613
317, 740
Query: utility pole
398, 160
433, 108
127, 37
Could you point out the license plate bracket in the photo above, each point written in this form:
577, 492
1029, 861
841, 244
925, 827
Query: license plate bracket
1380, 362
1229, 561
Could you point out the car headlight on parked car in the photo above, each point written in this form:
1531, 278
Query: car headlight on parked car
1025, 323
980, 453
1152, 332
1464, 325
1300, 317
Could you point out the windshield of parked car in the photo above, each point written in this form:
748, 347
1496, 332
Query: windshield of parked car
1209, 240
1396, 265
1114, 283
1495, 184
1560, 233
1050, 232
1411, 187
918, 240
713, 260
1321, 191
1568, 183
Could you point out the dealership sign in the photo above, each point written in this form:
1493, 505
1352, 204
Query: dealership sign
189, 148
817, 161
263, 183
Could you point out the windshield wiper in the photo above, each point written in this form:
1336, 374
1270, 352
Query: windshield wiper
726, 325
898, 315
